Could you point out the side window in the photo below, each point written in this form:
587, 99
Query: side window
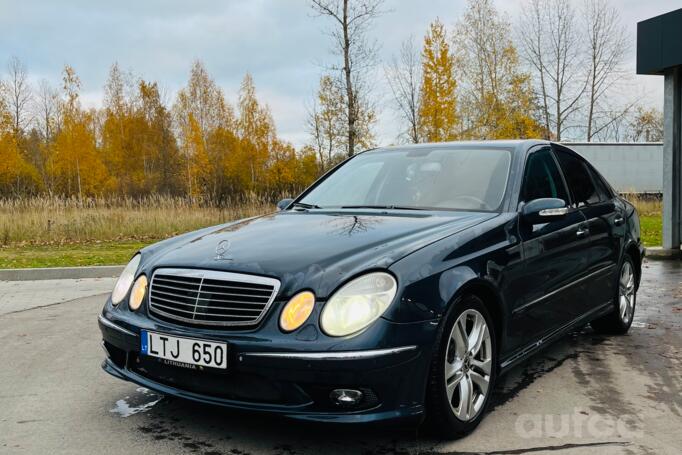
542, 178
578, 179
602, 188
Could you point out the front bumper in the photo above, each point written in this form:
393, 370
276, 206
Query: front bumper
293, 380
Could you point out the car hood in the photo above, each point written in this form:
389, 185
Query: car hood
314, 249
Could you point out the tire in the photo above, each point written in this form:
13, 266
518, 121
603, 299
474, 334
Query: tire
618, 321
446, 414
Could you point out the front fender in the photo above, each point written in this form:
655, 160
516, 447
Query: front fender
431, 278
451, 281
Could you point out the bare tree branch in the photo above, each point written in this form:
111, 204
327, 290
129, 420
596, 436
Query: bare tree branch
404, 79
18, 94
553, 46
607, 45
46, 110
352, 19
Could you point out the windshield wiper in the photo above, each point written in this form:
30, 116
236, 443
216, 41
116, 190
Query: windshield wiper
382, 207
306, 206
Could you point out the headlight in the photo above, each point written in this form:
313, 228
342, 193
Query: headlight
125, 280
357, 304
296, 311
138, 292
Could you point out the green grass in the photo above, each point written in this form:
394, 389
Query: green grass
652, 229
70, 255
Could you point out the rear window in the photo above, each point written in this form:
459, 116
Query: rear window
603, 188
578, 178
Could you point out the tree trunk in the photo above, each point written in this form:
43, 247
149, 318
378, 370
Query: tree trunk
590, 114
78, 174
559, 120
189, 178
349, 81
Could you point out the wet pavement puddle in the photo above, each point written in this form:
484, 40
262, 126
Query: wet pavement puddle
141, 401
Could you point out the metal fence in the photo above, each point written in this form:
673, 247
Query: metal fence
629, 167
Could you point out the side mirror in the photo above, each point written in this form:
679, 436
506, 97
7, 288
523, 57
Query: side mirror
284, 203
544, 210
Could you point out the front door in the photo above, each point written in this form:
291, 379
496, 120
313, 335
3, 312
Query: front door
554, 256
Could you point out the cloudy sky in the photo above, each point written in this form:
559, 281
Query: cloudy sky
280, 42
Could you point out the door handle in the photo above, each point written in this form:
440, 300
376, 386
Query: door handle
619, 221
582, 232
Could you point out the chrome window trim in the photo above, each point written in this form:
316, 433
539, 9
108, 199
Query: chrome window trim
107, 323
203, 274
342, 355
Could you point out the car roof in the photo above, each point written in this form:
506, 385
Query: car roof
518, 145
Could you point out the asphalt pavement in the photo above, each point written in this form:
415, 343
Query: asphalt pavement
586, 394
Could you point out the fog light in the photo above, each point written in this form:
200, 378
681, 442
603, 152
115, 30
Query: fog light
346, 397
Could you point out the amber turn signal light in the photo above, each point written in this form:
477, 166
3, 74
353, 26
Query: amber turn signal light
138, 292
296, 311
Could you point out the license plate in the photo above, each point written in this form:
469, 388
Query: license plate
184, 350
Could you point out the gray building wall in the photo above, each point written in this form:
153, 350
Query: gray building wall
629, 167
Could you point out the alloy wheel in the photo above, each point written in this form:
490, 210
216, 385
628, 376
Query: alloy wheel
626, 294
468, 365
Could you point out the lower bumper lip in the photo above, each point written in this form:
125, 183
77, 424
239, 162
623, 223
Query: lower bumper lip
412, 411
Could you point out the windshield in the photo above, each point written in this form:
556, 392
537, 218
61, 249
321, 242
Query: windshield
437, 178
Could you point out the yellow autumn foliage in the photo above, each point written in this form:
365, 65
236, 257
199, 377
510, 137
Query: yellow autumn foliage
496, 92
438, 103
136, 146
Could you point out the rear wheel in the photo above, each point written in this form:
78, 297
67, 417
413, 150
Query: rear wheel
463, 369
625, 300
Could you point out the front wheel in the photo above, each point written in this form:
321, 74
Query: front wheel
620, 319
463, 369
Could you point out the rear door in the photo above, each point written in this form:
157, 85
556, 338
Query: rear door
605, 222
554, 256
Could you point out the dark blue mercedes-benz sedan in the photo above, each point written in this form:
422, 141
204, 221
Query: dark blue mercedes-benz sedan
400, 285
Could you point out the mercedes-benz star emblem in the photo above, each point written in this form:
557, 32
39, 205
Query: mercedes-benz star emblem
221, 249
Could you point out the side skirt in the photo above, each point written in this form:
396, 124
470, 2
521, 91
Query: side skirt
536, 346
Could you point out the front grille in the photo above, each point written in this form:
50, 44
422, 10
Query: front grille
207, 297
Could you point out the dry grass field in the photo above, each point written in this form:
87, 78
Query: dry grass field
39, 221
51, 232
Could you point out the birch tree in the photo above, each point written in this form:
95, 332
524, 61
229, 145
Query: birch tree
351, 21
17, 91
496, 96
553, 46
200, 108
404, 79
46, 110
607, 46
325, 122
